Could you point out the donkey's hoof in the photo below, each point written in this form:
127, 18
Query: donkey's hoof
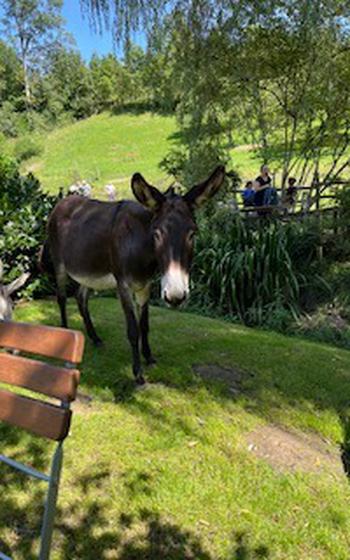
150, 361
140, 380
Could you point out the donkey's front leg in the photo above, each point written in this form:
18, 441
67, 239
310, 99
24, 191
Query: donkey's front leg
132, 329
142, 295
144, 328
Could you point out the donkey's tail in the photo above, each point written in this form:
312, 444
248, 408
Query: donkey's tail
45, 264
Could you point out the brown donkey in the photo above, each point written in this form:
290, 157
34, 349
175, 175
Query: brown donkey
104, 245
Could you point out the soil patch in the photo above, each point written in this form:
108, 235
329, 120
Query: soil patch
290, 451
83, 403
232, 377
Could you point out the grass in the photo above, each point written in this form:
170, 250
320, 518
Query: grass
165, 472
109, 148
102, 149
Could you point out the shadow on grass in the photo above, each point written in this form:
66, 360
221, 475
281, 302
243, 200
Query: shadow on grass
85, 531
282, 377
141, 108
280, 372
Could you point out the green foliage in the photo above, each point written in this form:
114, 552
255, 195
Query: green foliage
105, 148
34, 27
253, 273
27, 147
9, 119
277, 71
24, 209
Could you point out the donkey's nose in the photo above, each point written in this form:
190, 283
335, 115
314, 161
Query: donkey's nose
174, 301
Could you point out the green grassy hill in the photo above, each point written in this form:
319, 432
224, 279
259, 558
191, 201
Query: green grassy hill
240, 460
107, 148
103, 149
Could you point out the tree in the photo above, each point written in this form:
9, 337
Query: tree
277, 71
10, 84
33, 27
68, 85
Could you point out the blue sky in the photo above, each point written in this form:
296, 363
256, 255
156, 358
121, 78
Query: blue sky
86, 39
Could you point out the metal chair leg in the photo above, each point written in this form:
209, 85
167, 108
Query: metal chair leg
50, 506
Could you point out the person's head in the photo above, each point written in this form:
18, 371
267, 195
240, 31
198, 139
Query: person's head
291, 181
264, 170
249, 185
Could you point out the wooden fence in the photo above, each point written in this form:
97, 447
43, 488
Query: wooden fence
313, 200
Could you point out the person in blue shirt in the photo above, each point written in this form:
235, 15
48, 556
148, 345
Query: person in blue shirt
248, 194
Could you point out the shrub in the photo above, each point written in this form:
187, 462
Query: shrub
256, 274
24, 209
9, 120
27, 147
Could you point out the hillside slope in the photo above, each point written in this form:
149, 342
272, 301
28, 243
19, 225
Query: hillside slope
231, 451
109, 148
104, 149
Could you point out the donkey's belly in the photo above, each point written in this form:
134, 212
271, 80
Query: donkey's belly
106, 282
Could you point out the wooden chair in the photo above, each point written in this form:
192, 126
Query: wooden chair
40, 417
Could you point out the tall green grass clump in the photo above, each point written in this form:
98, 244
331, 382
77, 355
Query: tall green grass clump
257, 273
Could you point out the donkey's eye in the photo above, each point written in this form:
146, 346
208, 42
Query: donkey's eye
158, 236
190, 236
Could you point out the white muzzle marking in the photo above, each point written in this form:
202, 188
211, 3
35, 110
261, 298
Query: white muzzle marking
175, 284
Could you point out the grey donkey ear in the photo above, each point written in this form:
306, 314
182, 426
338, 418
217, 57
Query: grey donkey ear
201, 193
147, 195
1, 270
17, 284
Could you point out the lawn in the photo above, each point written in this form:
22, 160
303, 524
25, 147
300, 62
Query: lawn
109, 148
168, 471
104, 149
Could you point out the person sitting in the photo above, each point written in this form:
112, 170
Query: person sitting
291, 193
265, 193
248, 195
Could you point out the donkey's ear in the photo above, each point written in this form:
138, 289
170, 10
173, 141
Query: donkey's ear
147, 195
17, 284
200, 194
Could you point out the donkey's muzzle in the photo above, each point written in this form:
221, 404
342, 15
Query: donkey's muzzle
174, 301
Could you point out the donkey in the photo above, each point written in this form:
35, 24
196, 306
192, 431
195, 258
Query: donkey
6, 305
103, 245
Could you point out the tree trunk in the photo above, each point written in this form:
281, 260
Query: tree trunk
27, 85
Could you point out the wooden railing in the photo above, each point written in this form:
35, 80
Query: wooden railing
310, 204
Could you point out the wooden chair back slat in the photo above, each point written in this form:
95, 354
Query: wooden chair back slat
52, 342
38, 417
57, 382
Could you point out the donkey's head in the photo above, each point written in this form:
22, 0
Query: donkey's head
173, 229
6, 304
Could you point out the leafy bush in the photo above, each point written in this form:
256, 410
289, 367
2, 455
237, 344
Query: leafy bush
24, 209
256, 274
328, 323
9, 119
27, 147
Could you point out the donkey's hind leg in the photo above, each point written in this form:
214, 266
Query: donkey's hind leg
82, 296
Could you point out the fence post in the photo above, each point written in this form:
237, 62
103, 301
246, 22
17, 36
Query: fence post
318, 215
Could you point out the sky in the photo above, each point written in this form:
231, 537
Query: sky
88, 41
